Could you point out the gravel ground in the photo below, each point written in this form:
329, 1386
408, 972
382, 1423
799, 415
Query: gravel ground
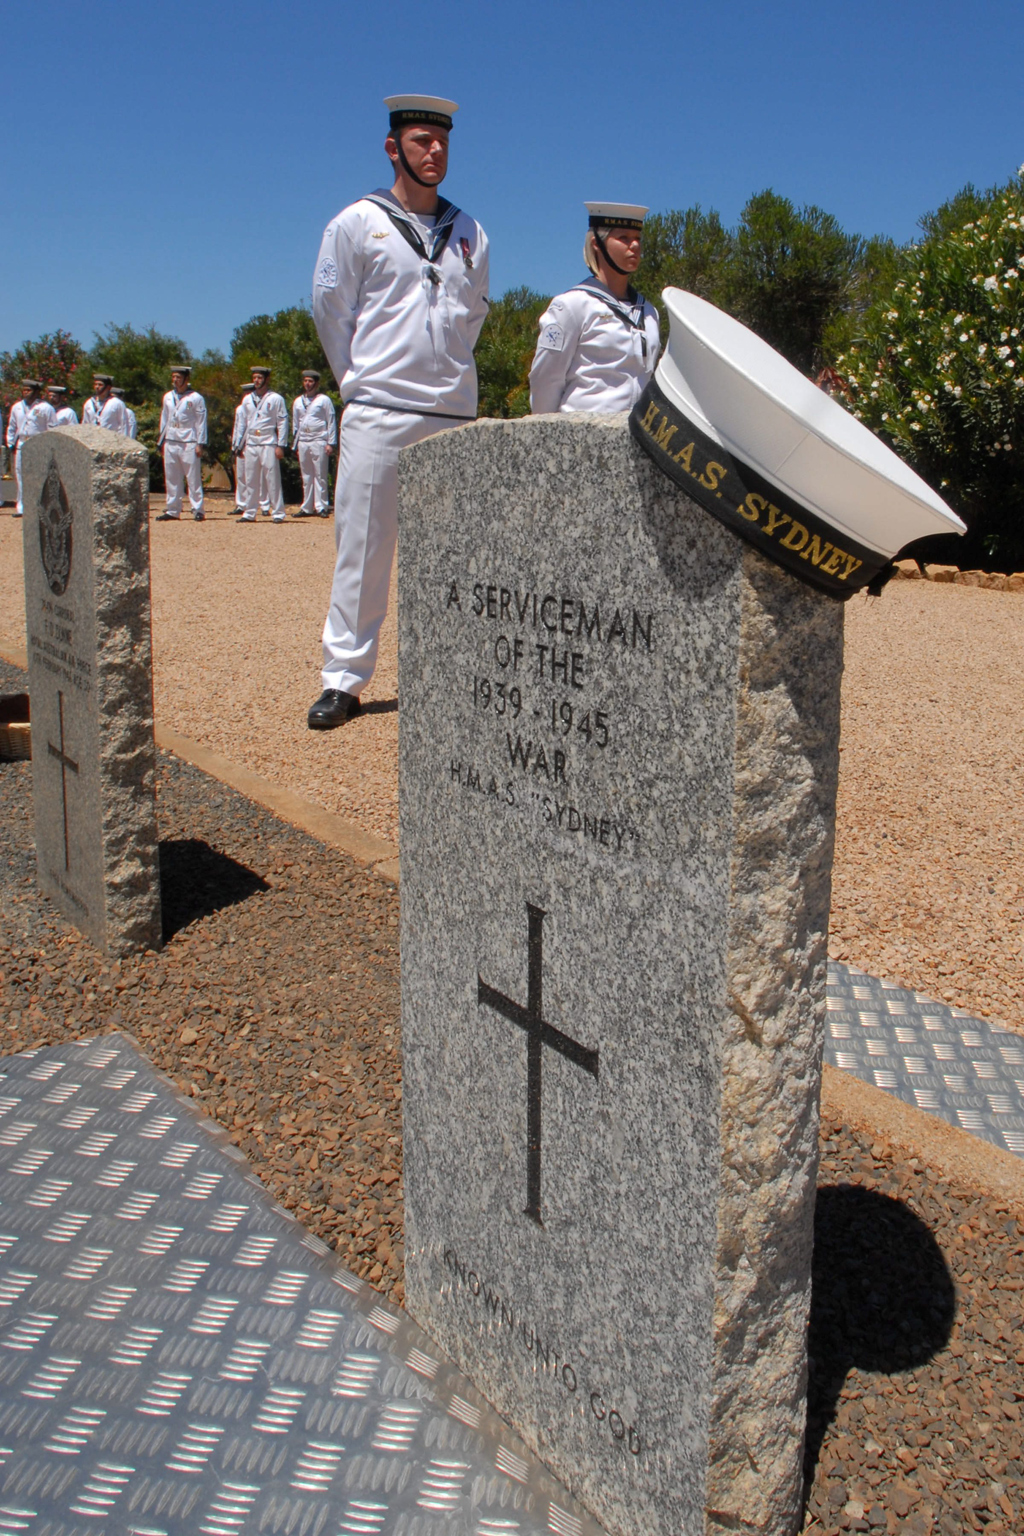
275, 1003
931, 820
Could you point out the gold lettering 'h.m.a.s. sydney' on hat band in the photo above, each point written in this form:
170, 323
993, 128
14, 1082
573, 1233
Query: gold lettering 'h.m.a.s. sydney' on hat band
747, 503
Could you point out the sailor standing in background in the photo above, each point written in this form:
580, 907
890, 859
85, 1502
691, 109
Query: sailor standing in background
103, 408
238, 449
182, 436
132, 428
58, 397
30, 417
399, 296
266, 438
314, 437
599, 342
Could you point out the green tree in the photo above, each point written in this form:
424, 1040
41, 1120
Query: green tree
938, 368
873, 280
505, 351
790, 271
684, 248
56, 358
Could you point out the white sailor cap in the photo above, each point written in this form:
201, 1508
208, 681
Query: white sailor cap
435, 110
775, 458
616, 215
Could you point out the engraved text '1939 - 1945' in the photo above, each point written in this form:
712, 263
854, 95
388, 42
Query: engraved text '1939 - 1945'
539, 678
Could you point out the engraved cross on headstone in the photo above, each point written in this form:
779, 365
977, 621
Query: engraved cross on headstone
65, 763
538, 1034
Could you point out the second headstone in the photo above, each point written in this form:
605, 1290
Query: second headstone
87, 615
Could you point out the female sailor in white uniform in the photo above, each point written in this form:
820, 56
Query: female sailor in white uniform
598, 342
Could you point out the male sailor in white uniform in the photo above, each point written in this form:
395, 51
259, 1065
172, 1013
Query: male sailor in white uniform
103, 408
238, 449
598, 343
30, 417
399, 296
266, 438
132, 425
58, 397
182, 437
314, 438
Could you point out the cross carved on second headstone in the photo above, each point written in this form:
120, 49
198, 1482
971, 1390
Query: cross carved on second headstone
65, 763
538, 1034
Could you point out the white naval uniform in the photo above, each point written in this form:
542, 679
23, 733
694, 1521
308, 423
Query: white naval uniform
594, 352
66, 417
133, 425
314, 434
238, 449
266, 430
111, 415
27, 421
182, 434
399, 330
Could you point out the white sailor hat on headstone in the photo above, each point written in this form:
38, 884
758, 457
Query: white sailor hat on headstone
776, 459
435, 110
616, 215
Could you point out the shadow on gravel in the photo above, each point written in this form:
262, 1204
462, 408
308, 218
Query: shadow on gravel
196, 880
883, 1298
379, 707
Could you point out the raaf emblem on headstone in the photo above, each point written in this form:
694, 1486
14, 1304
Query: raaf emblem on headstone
55, 532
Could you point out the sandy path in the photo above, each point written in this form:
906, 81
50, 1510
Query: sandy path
928, 878
237, 617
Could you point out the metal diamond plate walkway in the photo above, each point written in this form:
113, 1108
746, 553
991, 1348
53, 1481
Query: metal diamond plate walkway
964, 1070
177, 1355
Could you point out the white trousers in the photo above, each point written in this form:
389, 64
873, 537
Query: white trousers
181, 463
313, 464
240, 480
19, 510
365, 534
263, 472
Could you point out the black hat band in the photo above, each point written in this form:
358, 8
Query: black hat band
405, 116
608, 221
748, 504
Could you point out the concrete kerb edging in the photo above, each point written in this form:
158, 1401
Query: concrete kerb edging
942, 1149
947, 1151
375, 852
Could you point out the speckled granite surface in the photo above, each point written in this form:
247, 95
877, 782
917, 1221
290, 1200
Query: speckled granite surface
91, 681
618, 756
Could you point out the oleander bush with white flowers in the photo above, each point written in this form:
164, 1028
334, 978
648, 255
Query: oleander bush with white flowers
938, 369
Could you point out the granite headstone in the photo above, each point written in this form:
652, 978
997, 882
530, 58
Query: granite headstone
618, 759
86, 536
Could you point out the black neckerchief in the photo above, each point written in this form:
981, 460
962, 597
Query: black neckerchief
633, 317
403, 222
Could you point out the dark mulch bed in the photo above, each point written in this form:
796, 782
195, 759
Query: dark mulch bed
275, 1003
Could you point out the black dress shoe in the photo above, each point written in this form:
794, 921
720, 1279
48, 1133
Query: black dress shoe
332, 708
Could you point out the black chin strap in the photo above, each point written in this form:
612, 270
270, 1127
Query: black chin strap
407, 168
604, 252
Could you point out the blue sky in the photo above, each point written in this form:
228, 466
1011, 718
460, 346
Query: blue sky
176, 164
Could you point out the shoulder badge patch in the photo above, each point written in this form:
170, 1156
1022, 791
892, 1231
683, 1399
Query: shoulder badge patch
552, 339
327, 274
